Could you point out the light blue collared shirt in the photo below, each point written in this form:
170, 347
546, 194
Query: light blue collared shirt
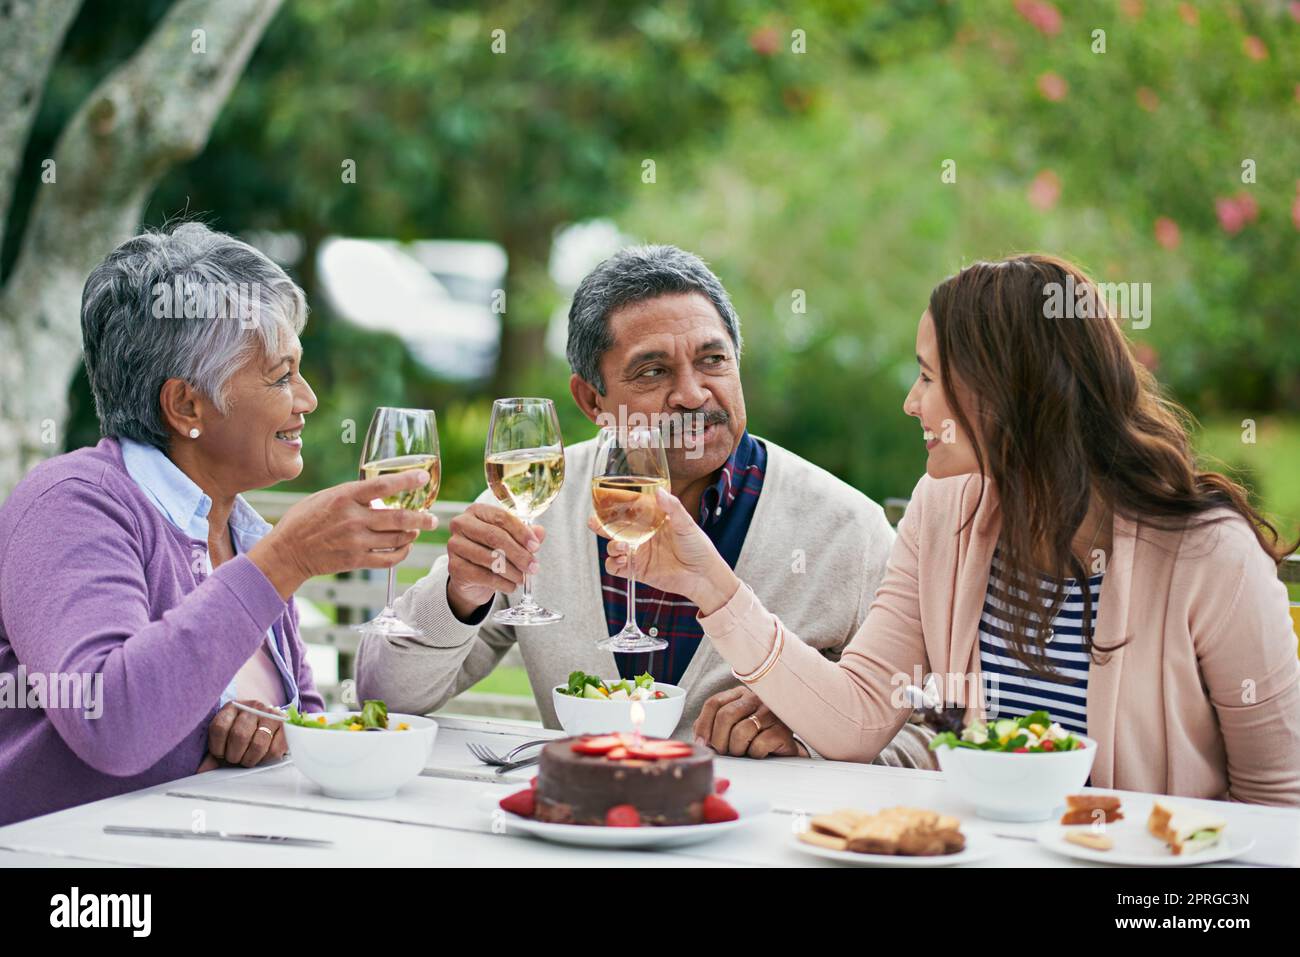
186, 506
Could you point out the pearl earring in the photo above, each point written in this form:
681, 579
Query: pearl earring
194, 433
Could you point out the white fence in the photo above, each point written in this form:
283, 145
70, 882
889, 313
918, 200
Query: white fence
355, 597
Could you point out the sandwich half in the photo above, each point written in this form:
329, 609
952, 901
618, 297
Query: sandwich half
1186, 830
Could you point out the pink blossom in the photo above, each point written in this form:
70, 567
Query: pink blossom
1189, 14
1053, 86
1247, 206
765, 41
1045, 190
1167, 233
1255, 48
1147, 99
1234, 212
1230, 217
1145, 353
1044, 17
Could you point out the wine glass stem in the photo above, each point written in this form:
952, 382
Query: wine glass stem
631, 589
392, 587
528, 600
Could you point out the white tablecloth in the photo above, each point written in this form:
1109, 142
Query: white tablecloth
444, 818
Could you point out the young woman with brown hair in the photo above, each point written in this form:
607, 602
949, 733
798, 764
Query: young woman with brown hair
1063, 552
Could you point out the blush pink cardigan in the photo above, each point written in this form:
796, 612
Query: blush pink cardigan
1202, 701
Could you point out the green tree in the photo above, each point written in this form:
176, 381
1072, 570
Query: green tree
87, 193
501, 123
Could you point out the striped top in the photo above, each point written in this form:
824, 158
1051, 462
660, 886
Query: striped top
1011, 689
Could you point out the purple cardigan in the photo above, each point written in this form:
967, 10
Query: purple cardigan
95, 580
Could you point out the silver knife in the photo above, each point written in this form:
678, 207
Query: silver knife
516, 765
277, 839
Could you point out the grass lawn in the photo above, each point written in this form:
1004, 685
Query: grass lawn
511, 680
1270, 466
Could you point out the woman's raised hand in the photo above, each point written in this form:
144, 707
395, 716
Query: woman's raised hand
679, 558
336, 530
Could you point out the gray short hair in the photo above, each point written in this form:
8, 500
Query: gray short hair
135, 336
632, 275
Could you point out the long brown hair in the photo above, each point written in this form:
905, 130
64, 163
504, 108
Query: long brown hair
1063, 409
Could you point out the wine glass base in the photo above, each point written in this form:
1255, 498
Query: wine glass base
520, 615
624, 643
389, 626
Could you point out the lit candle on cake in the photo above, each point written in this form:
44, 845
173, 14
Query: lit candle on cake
638, 718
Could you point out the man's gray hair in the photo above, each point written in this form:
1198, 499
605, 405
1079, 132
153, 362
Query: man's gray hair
632, 275
189, 303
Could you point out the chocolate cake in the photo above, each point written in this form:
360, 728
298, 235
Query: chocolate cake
581, 779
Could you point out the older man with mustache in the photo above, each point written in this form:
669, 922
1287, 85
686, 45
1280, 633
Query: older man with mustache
652, 332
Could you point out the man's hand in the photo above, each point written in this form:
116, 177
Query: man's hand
488, 552
736, 723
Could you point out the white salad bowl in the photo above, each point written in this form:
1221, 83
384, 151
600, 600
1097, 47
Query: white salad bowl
600, 715
1005, 786
362, 765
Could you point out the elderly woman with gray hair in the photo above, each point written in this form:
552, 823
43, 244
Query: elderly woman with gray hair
139, 593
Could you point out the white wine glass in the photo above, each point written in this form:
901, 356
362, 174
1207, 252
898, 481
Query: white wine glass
401, 440
631, 466
524, 464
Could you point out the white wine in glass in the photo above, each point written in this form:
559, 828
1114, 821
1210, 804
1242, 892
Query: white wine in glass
526, 481
524, 465
631, 466
626, 506
401, 440
417, 499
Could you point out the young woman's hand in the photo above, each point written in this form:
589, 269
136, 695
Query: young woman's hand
679, 559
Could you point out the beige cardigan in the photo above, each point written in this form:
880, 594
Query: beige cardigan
1203, 700
816, 550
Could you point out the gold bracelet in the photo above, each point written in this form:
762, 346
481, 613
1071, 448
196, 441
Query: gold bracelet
768, 663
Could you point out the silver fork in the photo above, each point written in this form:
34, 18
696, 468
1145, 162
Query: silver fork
488, 756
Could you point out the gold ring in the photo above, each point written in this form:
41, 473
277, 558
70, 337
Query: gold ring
262, 727
758, 724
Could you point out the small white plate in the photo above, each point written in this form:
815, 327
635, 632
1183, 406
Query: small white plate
749, 809
980, 844
1135, 847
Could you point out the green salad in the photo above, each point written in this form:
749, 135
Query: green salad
642, 688
1033, 734
374, 714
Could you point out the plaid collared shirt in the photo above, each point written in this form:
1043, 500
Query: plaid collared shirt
726, 508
